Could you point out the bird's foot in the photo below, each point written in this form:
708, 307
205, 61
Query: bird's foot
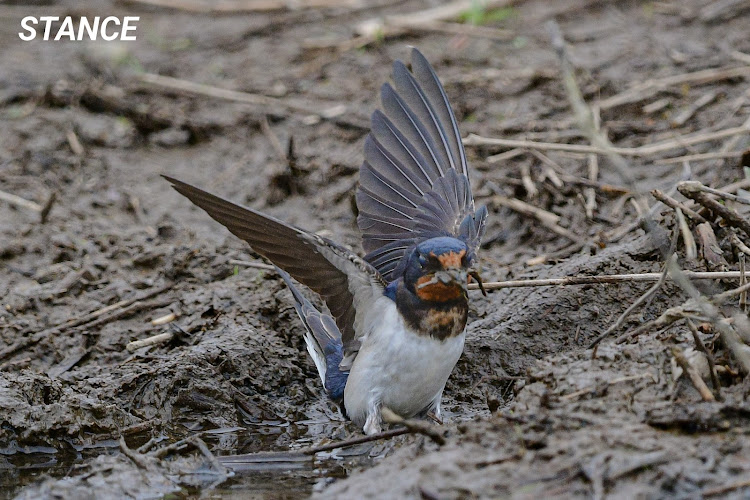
435, 416
372, 424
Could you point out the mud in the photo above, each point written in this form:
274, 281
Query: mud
529, 413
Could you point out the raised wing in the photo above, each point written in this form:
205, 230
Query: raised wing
346, 282
414, 183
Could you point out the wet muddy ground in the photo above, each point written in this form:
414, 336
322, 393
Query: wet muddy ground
530, 413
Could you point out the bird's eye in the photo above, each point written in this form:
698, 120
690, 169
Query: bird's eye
422, 261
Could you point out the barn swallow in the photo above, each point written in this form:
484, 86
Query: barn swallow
397, 315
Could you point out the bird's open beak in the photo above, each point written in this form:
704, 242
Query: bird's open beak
449, 276
455, 275
452, 275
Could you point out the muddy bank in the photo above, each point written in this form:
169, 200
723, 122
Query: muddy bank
529, 412
579, 429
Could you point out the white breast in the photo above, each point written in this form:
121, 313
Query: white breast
398, 368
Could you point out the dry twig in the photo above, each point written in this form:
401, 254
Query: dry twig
416, 426
743, 280
709, 357
42, 210
74, 143
215, 464
583, 392
737, 242
603, 279
254, 265
646, 89
379, 27
236, 461
696, 306
526, 180
568, 280
643, 298
163, 320
671, 202
721, 10
736, 186
709, 245
20, 202
717, 192
87, 319
153, 340
272, 105
691, 250
593, 167
239, 6
562, 253
696, 191
239, 461
641, 151
688, 112
699, 157
726, 488
693, 374
547, 219
143, 461
127, 311
397, 26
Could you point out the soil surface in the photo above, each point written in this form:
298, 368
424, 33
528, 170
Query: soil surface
530, 412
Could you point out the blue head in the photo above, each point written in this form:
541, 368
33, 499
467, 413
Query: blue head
438, 270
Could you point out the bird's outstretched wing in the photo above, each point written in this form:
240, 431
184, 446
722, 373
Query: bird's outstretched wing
346, 282
414, 182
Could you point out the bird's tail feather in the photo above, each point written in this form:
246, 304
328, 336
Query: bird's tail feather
323, 341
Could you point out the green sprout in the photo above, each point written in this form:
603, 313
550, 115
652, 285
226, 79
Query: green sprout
478, 14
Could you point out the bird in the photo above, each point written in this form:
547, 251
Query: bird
395, 325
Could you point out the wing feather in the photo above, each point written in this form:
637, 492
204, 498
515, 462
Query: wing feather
414, 182
414, 97
345, 281
428, 80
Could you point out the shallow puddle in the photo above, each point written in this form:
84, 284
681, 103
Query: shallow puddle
271, 477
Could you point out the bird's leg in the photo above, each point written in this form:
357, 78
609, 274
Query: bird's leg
374, 420
435, 414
